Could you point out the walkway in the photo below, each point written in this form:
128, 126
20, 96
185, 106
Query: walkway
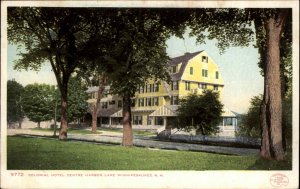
139, 141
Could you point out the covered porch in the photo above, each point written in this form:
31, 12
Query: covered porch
110, 116
229, 121
165, 115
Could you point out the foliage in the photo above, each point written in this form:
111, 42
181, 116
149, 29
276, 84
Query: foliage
274, 22
131, 46
200, 112
57, 36
133, 51
288, 121
285, 45
14, 106
273, 35
77, 99
37, 101
250, 123
137, 50
229, 26
47, 34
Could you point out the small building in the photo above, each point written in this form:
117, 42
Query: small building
229, 124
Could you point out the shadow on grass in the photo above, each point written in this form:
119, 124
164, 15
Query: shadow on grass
264, 164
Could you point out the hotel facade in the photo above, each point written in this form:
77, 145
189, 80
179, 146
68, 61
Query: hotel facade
154, 104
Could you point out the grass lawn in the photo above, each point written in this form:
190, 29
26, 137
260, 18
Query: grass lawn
47, 154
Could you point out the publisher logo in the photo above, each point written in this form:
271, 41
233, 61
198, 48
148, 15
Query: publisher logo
279, 180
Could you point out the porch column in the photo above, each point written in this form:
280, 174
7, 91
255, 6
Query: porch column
223, 123
152, 121
167, 128
109, 121
235, 125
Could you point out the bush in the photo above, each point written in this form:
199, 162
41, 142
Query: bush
250, 123
200, 112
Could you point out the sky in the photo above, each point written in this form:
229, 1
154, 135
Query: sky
237, 65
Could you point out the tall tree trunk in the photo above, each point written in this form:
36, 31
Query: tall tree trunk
284, 87
271, 119
265, 139
96, 105
39, 124
20, 123
127, 126
64, 111
71, 62
94, 116
55, 110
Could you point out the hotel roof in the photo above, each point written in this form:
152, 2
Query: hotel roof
184, 59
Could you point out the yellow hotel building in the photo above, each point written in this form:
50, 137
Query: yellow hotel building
155, 104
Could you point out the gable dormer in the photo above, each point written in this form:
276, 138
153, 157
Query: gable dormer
175, 68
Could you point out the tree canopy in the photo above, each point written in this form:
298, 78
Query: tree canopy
272, 29
77, 99
37, 102
58, 36
250, 124
15, 112
200, 112
136, 52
